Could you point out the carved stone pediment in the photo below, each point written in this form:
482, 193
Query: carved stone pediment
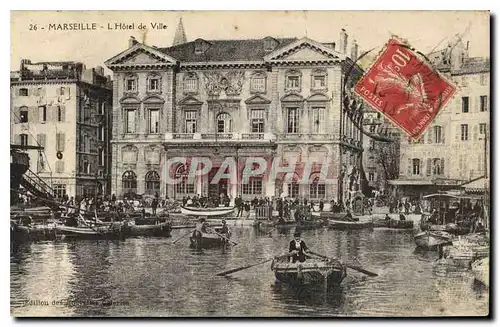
257, 100
190, 101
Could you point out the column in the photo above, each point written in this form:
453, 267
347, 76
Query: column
233, 189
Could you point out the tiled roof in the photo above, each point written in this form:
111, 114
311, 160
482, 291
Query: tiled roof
473, 66
224, 50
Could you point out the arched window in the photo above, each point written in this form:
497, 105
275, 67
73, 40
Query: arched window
223, 123
293, 80
317, 190
129, 182
190, 82
416, 166
152, 182
183, 187
258, 83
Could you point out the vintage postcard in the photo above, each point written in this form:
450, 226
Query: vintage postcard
250, 164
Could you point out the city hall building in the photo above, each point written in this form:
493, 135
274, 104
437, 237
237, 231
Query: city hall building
234, 99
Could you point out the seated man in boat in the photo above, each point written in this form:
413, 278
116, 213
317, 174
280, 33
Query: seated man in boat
402, 217
387, 217
224, 229
298, 249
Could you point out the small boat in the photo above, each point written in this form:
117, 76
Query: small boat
113, 231
20, 233
481, 271
311, 224
393, 223
313, 272
332, 215
431, 240
206, 212
202, 240
158, 230
345, 224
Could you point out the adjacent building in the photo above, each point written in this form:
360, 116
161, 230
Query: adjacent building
220, 99
380, 157
455, 147
66, 109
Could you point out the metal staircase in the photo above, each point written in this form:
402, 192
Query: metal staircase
38, 187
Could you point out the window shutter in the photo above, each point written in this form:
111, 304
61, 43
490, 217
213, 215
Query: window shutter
458, 132
17, 117
68, 93
477, 101
476, 135
17, 139
58, 91
443, 134
429, 163
442, 166
421, 167
410, 168
429, 135
422, 139
63, 113
42, 140
34, 114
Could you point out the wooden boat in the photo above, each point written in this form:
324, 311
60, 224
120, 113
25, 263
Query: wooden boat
481, 271
206, 212
202, 240
19, 233
158, 230
311, 224
312, 272
113, 231
393, 223
345, 224
431, 240
332, 215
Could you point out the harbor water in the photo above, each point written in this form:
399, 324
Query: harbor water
153, 277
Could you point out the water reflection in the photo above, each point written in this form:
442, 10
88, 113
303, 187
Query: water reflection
154, 277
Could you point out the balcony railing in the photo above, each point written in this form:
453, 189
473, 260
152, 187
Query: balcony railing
307, 137
204, 137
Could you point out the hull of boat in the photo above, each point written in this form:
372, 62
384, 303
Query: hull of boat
103, 232
159, 230
207, 212
341, 224
393, 223
311, 273
432, 240
206, 240
19, 234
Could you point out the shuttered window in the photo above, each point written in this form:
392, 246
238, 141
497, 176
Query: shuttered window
60, 142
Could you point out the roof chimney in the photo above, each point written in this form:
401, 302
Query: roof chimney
132, 41
354, 51
343, 41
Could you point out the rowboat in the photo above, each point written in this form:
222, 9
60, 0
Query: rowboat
113, 231
393, 223
345, 224
202, 240
311, 224
158, 230
430, 240
481, 271
312, 272
206, 212
332, 215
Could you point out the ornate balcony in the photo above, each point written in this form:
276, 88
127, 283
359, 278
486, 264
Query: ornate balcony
309, 137
208, 138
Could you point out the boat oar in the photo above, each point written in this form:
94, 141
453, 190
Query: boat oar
220, 235
225, 273
361, 270
231, 271
272, 230
181, 237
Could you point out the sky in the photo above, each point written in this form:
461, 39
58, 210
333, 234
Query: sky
424, 30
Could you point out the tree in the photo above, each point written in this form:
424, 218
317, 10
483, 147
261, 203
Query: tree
386, 156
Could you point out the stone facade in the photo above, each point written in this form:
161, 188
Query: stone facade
452, 150
66, 109
234, 99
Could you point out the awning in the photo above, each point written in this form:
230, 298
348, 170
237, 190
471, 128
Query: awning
478, 183
410, 182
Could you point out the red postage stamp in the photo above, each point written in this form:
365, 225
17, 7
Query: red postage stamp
404, 88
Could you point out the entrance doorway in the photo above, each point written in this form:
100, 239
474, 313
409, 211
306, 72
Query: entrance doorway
215, 190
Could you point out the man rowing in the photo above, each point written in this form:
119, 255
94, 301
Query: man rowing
297, 249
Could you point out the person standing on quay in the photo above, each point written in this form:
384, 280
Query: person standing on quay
239, 204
